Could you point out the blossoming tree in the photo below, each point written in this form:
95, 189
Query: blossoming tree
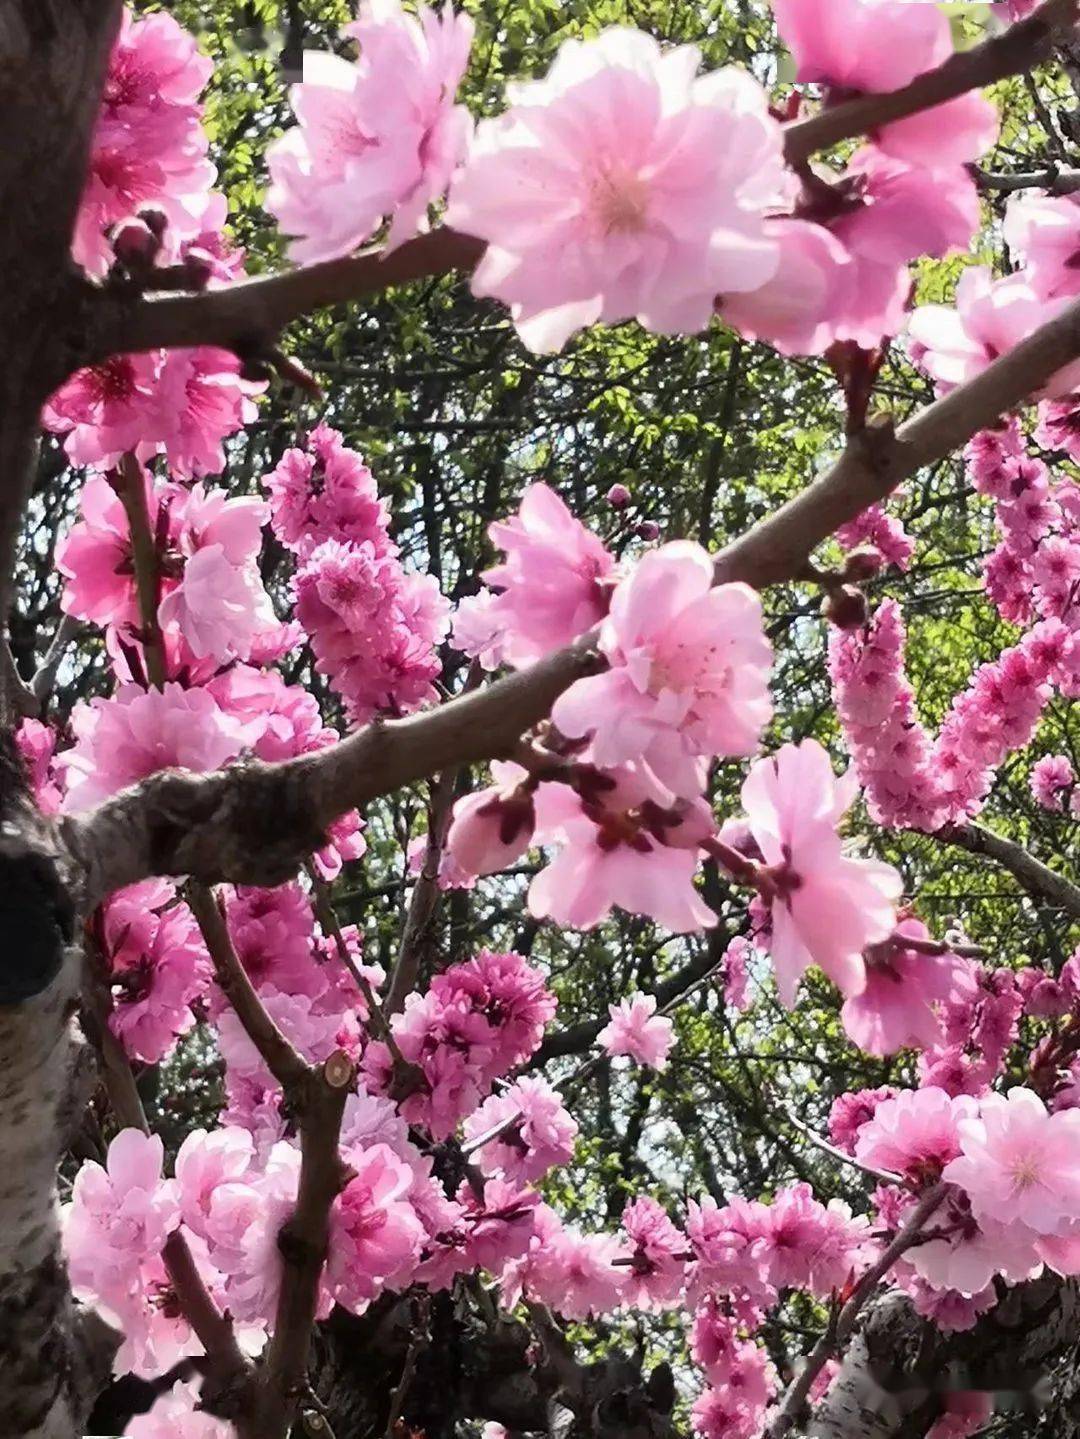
540, 575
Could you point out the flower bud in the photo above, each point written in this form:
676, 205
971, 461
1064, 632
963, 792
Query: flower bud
199, 265
618, 497
155, 220
863, 564
846, 608
648, 530
134, 244
491, 829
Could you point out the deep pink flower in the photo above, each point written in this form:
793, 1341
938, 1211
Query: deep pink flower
850, 1112
869, 45
965, 1413
325, 491
95, 556
1049, 777
904, 988
551, 581
657, 1266
637, 1030
688, 674
600, 195
36, 744
375, 1236
378, 138
826, 908
105, 411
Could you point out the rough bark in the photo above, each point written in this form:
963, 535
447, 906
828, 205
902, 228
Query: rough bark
899, 1366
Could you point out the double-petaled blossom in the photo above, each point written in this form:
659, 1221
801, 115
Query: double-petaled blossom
375, 1235
635, 1029
657, 1256
149, 148
535, 1132
688, 675
377, 138
915, 1133
870, 45
138, 732
826, 907
905, 989
622, 185
177, 1415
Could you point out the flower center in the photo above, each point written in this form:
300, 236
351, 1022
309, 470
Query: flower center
619, 201
1025, 1172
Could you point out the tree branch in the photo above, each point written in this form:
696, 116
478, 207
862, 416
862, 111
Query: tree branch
257, 823
1036, 877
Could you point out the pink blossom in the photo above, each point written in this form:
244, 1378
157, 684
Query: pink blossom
915, 1134
688, 676
1059, 429
621, 848
655, 1276
512, 997
176, 1415
36, 743
493, 827
375, 1235
804, 1244
202, 398
158, 968
872, 45
1020, 1165
720, 1414
95, 556
139, 732
964, 1413
1049, 777
729, 1249
826, 908
851, 1112
955, 133
539, 1136
104, 411
119, 1215
604, 176
990, 317
1043, 234
551, 584
377, 138
904, 988
148, 147
736, 973
206, 1162
966, 1254
796, 310
325, 491
714, 1343
637, 1030
575, 1273
479, 630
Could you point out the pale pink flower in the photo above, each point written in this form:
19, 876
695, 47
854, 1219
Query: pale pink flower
1043, 235
575, 1273
119, 1215
552, 581
493, 827
622, 848
915, 1134
176, 1415
953, 344
206, 1161
688, 676
1020, 1165
796, 311
955, 133
826, 908
375, 1236
378, 138
622, 186
202, 398
871, 45
479, 630
967, 1254
138, 732
540, 1136
637, 1030
219, 608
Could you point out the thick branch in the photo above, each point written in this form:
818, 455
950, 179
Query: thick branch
257, 823
1037, 878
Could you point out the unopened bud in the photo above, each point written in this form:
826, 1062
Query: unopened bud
648, 530
618, 497
199, 265
135, 245
863, 565
846, 608
156, 221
